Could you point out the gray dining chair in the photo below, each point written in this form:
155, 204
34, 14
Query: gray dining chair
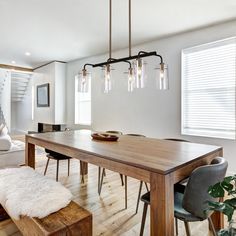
190, 201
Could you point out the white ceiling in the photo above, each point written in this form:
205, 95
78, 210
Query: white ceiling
69, 29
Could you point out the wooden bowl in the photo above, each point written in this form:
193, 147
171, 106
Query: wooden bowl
104, 137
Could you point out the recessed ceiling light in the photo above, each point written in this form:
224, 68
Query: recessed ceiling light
13, 62
28, 54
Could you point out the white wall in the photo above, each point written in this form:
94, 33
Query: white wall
60, 93
5, 97
41, 76
54, 74
13, 115
149, 111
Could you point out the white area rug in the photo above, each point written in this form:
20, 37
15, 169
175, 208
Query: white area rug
24, 192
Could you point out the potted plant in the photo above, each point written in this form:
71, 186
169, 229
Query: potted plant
227, 189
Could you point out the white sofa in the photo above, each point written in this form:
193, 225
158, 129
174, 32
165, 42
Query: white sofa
13, 157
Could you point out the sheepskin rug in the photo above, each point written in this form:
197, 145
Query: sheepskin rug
24, 192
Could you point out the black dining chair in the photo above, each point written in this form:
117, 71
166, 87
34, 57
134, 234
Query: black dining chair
190, 201
51, 155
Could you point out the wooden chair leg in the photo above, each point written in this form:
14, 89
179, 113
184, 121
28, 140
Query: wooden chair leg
176, 227
186, 224
68, 167
122, 180
126, 194
101, 182
139, 195
57, 170
212, 226
143, 219
46, 168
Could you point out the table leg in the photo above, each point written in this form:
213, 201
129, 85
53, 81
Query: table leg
162, 204
84, 167
29, 154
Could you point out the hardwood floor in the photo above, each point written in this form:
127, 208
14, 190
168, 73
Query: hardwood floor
109, 214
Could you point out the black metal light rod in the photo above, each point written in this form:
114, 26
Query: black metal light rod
125, 59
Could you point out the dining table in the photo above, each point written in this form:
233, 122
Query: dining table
162, 163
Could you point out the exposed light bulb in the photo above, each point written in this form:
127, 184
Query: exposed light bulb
140, 73
163, 77
107, 79
131, 80
13, 62
83, 81
28, 54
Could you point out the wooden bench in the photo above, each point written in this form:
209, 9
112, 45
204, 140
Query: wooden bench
72, 220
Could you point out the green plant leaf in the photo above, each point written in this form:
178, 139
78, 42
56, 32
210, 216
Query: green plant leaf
228, 179
225, 208
216, 190
231, 202
227, 186
231, 192
223, 232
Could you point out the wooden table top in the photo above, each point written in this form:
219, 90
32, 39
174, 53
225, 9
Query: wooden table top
156, 155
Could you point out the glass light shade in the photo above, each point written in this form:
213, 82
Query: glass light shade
140, 73
131, 80
83, 81
107, 79
162, 77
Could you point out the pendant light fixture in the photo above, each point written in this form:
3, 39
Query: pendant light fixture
136, 71
83, 81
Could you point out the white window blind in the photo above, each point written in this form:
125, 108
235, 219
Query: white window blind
82, 106
208, 89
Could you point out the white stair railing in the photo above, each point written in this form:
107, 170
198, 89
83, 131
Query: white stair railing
19, 85
5, 98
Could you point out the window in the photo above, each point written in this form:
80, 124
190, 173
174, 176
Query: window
82, 106
208, 89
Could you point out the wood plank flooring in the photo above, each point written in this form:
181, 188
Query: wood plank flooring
109, 214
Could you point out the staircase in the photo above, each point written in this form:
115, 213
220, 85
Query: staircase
2, 118
13, 88
19, 85
2, 83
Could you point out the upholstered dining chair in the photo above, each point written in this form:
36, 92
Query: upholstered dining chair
190, 201
102, 173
